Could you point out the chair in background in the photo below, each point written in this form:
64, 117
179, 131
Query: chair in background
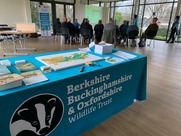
2, 46
65, 35
85, 34
57, 33
1, 40
5, 38
4, 27
151, 35
132, 35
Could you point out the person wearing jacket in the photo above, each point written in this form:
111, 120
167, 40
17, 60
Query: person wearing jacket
174, 29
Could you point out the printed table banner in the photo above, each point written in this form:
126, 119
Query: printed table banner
72, 102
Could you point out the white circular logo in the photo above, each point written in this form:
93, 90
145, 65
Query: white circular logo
37, 116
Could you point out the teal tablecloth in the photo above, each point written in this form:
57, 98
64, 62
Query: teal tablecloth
71, 102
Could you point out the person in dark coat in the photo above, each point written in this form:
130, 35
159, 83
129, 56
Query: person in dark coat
152, 27
65, 25
71, 27
57, 26
77, 27
98, 31
85, 25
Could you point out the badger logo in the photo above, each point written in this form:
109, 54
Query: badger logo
37, 116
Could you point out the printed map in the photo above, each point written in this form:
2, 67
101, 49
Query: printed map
66, 60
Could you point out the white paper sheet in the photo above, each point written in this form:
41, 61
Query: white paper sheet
124, 55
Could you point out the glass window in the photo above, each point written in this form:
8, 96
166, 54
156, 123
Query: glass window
60, 11
142, 1
93, 3
123, 3
123, 13
178, 38
69, 11
108, 4
35, 13
83, 2
67, 1
162, 12
158, 1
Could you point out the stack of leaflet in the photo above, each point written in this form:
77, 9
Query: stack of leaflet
10, 81
4, 70
105, 48
23, 66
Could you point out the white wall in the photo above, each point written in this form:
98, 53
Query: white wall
79, 11
12, 11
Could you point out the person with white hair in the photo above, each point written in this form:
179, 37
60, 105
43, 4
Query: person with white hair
109, 34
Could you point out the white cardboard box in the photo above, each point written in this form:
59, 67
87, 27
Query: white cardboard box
103, 48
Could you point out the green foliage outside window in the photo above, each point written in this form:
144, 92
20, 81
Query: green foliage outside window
118, 17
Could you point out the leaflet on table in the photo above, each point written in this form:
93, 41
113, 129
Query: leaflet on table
5, 62
124, 55
85, 49
4, 70
33, 77
114, 60
10, 81
25, 67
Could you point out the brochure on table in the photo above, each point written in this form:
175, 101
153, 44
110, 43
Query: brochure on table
114, 60
25, 67
124, 55
33, 77
4, 70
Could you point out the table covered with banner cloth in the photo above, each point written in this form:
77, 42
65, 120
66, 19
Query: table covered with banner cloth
71, 102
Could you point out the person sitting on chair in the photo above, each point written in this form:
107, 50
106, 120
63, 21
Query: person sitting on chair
65, 25
98, 28
124, 30
77, 28
174, 30
120, 37
57, 26
71, 27
85, 25
151, 27
132, 33
109, 35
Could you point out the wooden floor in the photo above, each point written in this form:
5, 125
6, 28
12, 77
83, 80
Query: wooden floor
160, 114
